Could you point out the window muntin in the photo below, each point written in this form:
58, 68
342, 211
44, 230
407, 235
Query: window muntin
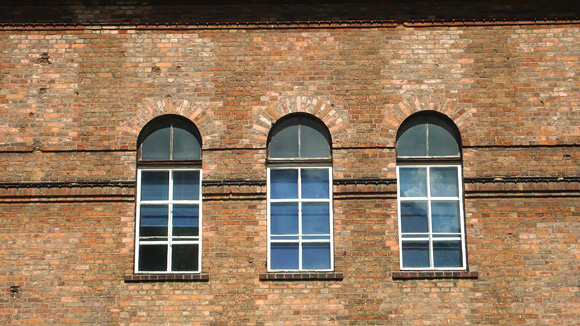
431, 219
300, 219
168, 233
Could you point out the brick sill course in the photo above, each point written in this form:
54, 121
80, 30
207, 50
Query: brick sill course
132, 278
433, 275
305, 276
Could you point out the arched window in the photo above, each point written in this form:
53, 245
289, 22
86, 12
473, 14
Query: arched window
430, 194
299, 195
168, 233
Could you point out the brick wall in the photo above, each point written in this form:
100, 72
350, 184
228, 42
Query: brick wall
74, 99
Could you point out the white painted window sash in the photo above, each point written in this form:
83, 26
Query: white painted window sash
301, 237
178, 240
431, 236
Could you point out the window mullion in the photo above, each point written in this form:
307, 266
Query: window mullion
170, 223
430, 219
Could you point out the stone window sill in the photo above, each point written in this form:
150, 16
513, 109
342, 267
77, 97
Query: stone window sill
134, 278
433, 275
301, 276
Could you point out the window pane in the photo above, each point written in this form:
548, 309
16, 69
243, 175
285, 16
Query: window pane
444, 182
153, 221
314, 139
447, 254
186, 185
184, 258
284, 237
413, 182
413, 138
315, 218
186, 146
284, 255
314, 183
415, 254
154, 185
185, 220
414, 217
316, 255
156, 145
441, 139
284, 218
152, 258
445, 215
283, 183
284, 141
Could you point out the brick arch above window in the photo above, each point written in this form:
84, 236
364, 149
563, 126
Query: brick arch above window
333, 116
412, 103
198, 113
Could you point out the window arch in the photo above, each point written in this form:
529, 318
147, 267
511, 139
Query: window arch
168, 232
428, 135
430, 194
299, 136
300, 195
169, 138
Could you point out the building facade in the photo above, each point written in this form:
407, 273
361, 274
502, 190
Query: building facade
278, 164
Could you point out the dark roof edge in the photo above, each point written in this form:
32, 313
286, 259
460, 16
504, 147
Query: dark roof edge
294, 24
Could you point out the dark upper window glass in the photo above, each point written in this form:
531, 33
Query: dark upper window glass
299, 137
428, 135
170, 138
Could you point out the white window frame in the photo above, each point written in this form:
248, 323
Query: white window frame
429, 235
301, 200
170, 240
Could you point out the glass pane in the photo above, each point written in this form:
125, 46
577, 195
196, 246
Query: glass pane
283, 183
284, 237
316, 237
415, 236
441, 139
314, 183
284, 141
412, 139
445, 216
414, 217
314, 139
315, 218
415, 254
284, 256
447, 254
185, 258
153, 221
155, 146
413, 182
444, 182
186, 146
316, 256
154, 185
284, 218
185, 185
153, 258
185, 220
